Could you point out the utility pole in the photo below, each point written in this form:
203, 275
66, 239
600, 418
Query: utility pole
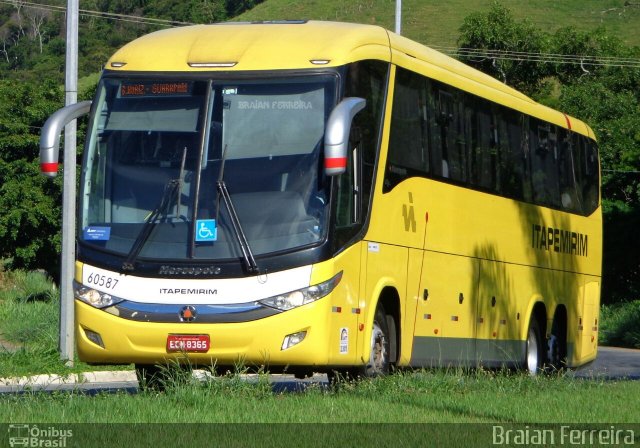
398, 16
67, 340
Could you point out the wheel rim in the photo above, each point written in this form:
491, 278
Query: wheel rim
378, 358
532, 352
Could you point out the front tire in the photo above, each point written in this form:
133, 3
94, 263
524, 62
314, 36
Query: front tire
379, 362
379, 359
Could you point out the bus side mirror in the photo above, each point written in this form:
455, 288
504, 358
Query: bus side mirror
336, 136
50, 135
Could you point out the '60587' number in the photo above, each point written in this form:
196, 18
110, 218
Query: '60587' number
102, 280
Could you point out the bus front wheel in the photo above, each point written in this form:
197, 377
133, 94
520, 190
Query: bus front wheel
379, 362
379, 359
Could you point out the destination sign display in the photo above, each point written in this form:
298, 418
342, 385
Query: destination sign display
145, 88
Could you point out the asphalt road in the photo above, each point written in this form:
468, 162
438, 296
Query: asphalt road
611, 364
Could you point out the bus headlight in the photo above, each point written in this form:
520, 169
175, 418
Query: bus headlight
94, 297
302, 296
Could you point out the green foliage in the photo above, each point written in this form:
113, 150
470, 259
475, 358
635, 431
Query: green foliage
30, 223
621, 268
436, 23
32, 45
25, 286
498, 30
200, 11
615, 118
619, 324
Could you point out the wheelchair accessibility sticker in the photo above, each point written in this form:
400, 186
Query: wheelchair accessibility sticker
206, 230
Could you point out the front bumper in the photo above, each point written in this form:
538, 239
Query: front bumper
253, 343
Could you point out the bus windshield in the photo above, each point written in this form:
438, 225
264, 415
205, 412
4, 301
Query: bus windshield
159, 149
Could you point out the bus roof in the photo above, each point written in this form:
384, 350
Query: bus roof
238, 46
254, 46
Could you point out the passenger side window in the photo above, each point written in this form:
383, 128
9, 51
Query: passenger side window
587, 171
570, 196
444, 133
544, 163
368, 80
407, 122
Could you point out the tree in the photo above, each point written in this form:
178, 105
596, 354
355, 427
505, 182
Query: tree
494, 43
590, 75
30, 223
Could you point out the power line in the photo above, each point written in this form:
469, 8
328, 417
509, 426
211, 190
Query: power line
621, 171
101, 14
504, 55
553, 58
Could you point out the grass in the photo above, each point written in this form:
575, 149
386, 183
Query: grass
405, 397
437, 23
29, 324
28, 310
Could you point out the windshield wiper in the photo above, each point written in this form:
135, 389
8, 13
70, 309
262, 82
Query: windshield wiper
170, 190
247, 255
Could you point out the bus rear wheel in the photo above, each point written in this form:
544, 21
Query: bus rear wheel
557, 346
535, 354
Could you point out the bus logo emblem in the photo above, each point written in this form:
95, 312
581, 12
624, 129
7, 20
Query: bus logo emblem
409, 215
188, 314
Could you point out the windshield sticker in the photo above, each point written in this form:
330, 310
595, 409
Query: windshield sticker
96, 233
275, 105
206, 230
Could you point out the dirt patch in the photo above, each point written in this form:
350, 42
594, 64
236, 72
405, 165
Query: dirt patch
6, 346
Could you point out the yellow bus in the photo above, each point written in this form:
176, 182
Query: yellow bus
317, 196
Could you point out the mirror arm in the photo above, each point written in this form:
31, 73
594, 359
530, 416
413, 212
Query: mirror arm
336, 137
50, 135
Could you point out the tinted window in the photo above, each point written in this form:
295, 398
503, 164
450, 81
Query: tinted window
368, 80
441, 132
544, 163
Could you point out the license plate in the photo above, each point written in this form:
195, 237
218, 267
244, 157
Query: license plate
192, 343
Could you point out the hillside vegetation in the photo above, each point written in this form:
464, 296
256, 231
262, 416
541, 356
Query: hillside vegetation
437, 23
